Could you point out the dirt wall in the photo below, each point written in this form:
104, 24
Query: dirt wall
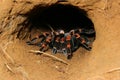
102, 63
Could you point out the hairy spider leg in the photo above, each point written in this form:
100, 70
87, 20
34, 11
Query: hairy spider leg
88, 31
31, 42
69, 46
62, 43
82, 41
45, 45
56, 43
37, 38
84, 31
42, 38
81, 32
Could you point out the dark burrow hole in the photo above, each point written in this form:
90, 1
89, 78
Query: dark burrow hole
58, 16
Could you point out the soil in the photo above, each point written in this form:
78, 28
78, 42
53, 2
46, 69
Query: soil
102, 63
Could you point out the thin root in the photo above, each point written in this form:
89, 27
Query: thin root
17, 70
112, 70
9, 68
54, 57
6, 55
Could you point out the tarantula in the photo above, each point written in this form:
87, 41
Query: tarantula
63, 42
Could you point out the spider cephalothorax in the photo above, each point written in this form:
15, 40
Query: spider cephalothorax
63, 42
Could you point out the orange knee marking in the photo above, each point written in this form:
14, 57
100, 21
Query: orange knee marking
83, 41
68, 45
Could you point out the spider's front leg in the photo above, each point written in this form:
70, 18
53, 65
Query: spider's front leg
69, 50
31, 42
38, 39
44, 47
86, 31
82, 31
55, 42
84, 43
68, 46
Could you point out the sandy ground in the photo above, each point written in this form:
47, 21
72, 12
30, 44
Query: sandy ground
38, 67
102, 63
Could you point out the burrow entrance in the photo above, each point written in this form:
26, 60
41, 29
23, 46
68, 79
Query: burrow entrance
58, 16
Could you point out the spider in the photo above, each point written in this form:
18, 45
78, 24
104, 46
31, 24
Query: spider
63, 42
